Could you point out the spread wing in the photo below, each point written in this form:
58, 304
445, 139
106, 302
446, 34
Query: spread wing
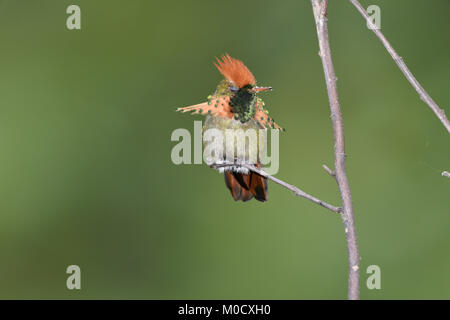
216, 105
263, 118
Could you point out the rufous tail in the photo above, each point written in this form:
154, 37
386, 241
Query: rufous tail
245, 186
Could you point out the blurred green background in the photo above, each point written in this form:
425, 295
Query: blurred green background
86, 177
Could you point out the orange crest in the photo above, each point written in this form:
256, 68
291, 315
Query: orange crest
234, 70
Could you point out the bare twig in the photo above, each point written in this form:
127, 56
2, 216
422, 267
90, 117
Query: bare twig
329, 171
320, 10
401, 64
446, 174
288, 186
294, 189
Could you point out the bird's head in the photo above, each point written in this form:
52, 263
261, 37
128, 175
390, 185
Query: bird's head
237, 77
239, 84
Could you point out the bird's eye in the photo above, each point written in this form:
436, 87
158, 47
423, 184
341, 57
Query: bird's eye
233, 89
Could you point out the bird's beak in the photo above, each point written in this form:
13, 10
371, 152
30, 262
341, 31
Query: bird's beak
261, 89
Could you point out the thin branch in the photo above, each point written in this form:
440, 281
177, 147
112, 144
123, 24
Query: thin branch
329, 171
446, 174
288, 186
319, 9
401, 64
294, 189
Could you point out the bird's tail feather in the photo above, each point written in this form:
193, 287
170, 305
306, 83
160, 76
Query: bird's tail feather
245, 186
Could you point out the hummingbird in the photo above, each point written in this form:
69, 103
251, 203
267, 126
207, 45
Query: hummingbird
235, 105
